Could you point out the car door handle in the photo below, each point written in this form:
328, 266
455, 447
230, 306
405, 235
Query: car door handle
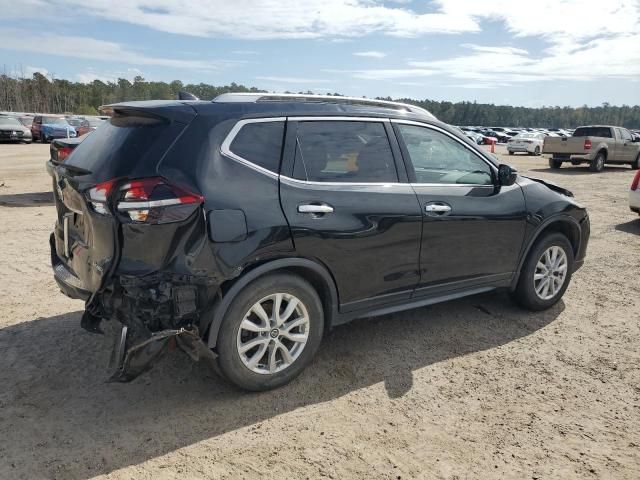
315, 208
438, 208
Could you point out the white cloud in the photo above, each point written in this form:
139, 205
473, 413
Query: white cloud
244, 52
90, 75
27, 72
299, 80
264, 19
371, 54
92, 49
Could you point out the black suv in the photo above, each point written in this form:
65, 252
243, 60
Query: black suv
249, 225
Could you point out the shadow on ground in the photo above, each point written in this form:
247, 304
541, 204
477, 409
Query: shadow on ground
59, 419
632, 226
33, 199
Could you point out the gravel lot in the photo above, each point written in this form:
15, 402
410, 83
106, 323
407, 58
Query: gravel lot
474, 388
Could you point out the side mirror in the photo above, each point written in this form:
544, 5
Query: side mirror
506, 175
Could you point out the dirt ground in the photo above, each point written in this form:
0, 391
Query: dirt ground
474, 388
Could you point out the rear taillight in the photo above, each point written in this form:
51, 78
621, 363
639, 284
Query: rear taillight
636, 181
99, 195
63, 153
154, 200
587, 144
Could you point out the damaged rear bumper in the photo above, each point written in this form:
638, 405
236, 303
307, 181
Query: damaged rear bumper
132, 356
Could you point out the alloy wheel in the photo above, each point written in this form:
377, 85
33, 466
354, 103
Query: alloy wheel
273, 333
550, 273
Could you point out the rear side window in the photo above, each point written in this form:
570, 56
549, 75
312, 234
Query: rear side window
343, 151
604, 132
260, 143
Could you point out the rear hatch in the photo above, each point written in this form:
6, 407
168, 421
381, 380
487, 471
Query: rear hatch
85, 242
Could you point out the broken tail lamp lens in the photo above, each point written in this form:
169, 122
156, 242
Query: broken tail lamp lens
155, 201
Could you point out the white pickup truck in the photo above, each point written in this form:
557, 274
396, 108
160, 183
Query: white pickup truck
595, 145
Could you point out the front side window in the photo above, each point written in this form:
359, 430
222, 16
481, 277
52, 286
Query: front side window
260, 143
343, 151
624, 134
437, 158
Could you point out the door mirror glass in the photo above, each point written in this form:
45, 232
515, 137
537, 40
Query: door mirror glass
506, 175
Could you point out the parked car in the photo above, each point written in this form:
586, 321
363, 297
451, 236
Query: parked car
634, 194
11, 130
26, 122
61, 148
530, 143
500, 136
274, 218
595, 145
47, 127
471, 135
84, 125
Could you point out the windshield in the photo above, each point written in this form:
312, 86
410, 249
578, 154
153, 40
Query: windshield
9, 122
75, 122
27, 121
54, 121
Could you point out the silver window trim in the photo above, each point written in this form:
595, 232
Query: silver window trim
337, 118
492, 167
225, 148
226, 151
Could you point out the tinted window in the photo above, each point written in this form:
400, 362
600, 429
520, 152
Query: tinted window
604, 132
437, 158
344, 151
260, 143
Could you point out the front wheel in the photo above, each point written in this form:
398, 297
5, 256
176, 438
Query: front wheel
635, 165
546, 273
553, 163
536, 151
270, 333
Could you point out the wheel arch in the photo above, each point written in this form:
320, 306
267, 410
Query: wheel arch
564, 224
313, 272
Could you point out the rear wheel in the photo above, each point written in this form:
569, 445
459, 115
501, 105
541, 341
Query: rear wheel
597, 164
553, 163
546, 273
575, 162
510, 152
636, 163
536, 151
270, 333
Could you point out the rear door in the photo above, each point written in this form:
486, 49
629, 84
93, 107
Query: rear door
349, 208
473, 229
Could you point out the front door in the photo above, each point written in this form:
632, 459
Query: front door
473, 229
347, 209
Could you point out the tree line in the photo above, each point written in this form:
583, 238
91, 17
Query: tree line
45, 95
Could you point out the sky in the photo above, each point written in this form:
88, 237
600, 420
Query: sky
509, 52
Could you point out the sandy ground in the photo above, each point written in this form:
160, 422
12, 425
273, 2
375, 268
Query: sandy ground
474, 388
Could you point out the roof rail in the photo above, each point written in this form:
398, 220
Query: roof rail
294, 97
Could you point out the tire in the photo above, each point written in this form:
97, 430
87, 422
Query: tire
44, 138
555, 164
234, 365
510, 152
597, 164
636, 163
575, 162
525, 293
536, 151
